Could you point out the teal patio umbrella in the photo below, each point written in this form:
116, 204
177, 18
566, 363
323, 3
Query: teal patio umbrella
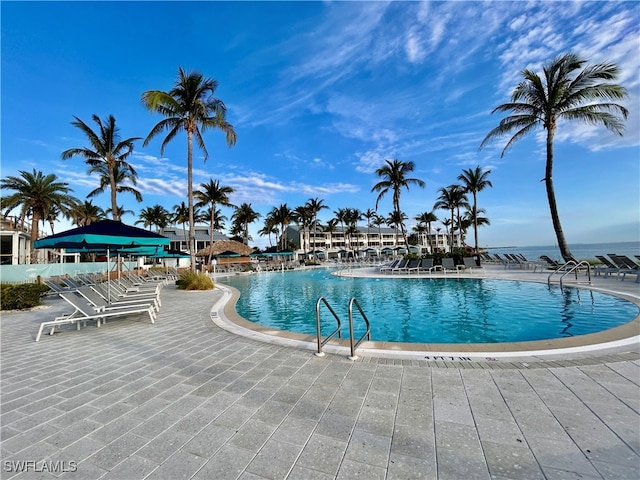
107, 235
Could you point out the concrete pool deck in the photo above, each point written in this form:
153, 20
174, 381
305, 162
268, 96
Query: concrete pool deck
183, 398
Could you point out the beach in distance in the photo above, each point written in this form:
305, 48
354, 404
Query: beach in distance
582, 251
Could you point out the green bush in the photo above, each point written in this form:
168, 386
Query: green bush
22, 296
194, 281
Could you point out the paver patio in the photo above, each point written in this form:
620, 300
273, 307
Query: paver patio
185, 399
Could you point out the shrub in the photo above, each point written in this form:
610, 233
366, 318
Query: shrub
23, 296
194, 281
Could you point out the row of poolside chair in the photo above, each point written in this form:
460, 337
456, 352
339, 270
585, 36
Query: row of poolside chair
513, 260
618, 264
101, 300
426, 265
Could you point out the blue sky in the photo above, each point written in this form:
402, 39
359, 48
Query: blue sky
321, 93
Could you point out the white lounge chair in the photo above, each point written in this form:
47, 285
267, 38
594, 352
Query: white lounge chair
85, 312
98, 301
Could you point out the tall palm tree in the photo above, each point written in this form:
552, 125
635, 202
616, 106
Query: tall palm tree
86, 213
35, 194
212, 194
156, 215
394, 178
452, 198
475, 180
120, 176
190, 107
315, 205
567, 90
243, 216
107, 152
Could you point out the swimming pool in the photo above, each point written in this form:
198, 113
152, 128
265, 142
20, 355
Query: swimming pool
430, 310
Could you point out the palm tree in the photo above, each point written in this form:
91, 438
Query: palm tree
452, 198
341, 216
120, 212
270, 226
351, 219
315, 205
567, 90
180, 215
189, 106
378, 221
424, 219
212, 194
86, 213
156, 215
330, 228
120, 176
474, 181
370, 214
35, 194
216, 218
303, 217
396, 220
281, 216
243, 216
394, 178
108, 150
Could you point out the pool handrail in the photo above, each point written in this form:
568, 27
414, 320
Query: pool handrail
321, 343
571, 267
366, 334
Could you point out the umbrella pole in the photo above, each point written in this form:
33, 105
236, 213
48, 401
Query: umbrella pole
108, 278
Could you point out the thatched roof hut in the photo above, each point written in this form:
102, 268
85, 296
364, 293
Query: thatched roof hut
225, 246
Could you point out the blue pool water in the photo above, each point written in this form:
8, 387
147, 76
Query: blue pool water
424, 310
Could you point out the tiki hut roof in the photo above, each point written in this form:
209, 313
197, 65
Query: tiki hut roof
222, 246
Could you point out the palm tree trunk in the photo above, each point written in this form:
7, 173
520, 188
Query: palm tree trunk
192, 239
114, 203
475, 227
34, 236
553, 207
213, 209
452, 230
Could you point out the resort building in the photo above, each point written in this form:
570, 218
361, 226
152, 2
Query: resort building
382, 241
179, 237
14, 241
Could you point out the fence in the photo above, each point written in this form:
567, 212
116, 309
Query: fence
30, 273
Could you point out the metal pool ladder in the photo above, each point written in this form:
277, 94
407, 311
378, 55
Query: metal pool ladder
571, 267
353, 344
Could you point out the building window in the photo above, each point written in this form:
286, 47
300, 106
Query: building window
6, 250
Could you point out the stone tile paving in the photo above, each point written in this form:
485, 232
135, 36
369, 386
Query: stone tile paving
183, 399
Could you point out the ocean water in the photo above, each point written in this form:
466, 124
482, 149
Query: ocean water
582, 251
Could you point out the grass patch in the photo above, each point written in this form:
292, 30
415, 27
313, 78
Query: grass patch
194, 281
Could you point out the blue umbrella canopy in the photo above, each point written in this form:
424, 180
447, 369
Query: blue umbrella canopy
106, 234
